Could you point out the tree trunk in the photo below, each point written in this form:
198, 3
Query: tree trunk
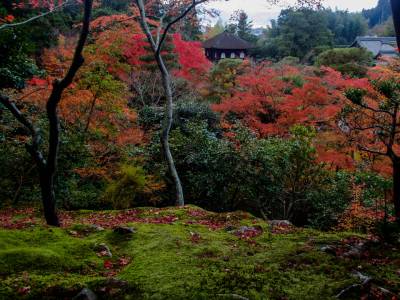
48, 167
396, 189
167, 85
48, 198
166, 80
89, 119
396, 19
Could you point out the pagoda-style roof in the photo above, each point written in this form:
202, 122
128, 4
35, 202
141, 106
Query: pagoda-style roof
227, 40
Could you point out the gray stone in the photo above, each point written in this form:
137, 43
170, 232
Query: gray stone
280, 223
124, 230
363, 278
243, 229
103, 249
328, 249
85, 294
355, 251
96, 227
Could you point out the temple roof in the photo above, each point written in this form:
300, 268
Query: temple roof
227, 40
377, 45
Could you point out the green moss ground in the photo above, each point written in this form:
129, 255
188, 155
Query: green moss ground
166, 262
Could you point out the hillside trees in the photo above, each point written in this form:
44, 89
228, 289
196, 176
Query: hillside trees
305, 32
298, 31
344, 25
47, 162
272, 99
378, 14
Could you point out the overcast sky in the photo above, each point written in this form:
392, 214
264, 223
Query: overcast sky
261, 13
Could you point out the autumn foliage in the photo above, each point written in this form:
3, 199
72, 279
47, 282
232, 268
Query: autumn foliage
192, 63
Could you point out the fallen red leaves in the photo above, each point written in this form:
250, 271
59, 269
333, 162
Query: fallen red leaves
17, 218
248, 233
23, 218
25, 290
108, 264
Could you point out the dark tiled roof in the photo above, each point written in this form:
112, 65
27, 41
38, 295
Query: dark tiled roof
377, 45
227, 40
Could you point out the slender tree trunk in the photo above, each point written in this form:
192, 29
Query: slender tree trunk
89, 119
396, 18
166, 80
396, 189
48, 198
167, 84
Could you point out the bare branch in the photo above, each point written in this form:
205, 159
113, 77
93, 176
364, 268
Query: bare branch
176, 20
17, 113
56, 8
374, 110
34, 132
372, 151
145, 25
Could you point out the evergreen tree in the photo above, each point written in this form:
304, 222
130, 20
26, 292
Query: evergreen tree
191, 28
300, 31
241, 26
244, 26
304, 33
379, 14
212, 31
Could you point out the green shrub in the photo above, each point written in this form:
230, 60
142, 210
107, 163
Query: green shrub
185, 111
350, 61
223, 76
122, 191
329, 203
263, 176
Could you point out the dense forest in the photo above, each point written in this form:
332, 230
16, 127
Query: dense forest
133, 167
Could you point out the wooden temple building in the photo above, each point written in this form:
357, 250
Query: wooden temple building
226, 45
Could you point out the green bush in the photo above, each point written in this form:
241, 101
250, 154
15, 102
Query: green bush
329, 203
223, 76
185, 111
122, 191
274, 178
353, 62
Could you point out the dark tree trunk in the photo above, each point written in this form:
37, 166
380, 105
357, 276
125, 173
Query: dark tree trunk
396, 189
48, 167
396, 18
48, 199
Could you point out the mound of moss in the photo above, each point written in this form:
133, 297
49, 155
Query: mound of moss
183, 254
